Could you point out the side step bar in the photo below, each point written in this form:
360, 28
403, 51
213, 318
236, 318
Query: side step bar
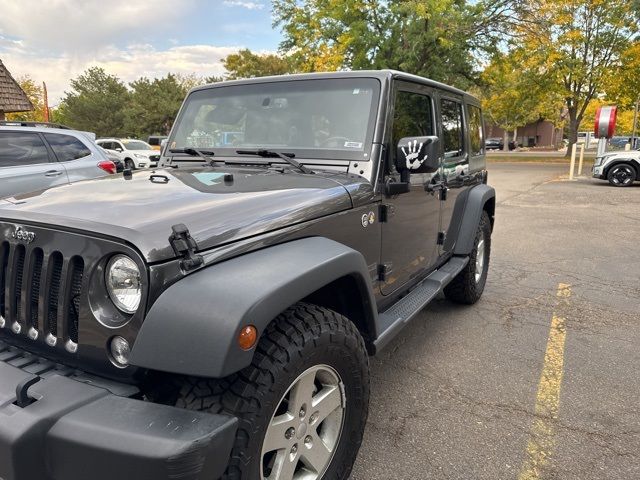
393, 319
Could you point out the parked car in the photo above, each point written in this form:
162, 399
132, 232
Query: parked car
36, 158
218, 314
621, 169
156, 141
493, 143
619, 142
116, 157
137, 153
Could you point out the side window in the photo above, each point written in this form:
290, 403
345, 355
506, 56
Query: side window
67, 147
476, 133
452, 128
412, 117
22, 148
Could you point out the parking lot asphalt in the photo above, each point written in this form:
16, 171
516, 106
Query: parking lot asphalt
539, 379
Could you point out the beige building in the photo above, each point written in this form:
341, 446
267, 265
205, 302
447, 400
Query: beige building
12, 97
540, 134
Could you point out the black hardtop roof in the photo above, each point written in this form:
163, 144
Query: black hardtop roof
382, 75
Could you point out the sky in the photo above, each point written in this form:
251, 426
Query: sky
56, 40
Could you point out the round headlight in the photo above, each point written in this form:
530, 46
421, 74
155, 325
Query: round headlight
123, 283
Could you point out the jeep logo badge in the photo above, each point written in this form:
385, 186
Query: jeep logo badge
23, 235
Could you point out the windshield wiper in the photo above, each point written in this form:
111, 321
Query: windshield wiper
287, 157
204, 154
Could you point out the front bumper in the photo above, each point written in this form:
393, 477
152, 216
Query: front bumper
598, 172
69, 430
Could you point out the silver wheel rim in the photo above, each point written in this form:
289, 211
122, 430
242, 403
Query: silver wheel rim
480, 250
305, 429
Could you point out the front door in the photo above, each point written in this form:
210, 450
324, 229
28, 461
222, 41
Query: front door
409, 236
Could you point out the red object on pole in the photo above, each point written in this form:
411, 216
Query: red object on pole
46, 102
605, 124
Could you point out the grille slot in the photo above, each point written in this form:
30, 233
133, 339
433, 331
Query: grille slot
53, 295
76, 271
4, 271
17, 284
36, 277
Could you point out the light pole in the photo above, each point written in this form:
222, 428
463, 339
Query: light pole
635, 120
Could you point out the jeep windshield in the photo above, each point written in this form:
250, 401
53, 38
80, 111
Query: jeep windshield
323, 118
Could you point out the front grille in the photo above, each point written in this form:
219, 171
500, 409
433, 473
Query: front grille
40, 293
154, 158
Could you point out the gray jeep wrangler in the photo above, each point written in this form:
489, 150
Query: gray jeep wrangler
213, 318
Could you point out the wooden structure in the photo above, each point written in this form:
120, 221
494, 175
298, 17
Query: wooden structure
12, 97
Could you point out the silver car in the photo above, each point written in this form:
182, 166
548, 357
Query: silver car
36, 158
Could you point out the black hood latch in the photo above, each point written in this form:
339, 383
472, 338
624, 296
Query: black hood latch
185, 246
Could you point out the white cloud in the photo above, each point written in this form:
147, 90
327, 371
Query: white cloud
243, 4
78, 27
128, 64
56, 40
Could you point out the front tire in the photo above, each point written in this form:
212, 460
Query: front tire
128, 164
622, 175
302, 404
469, 284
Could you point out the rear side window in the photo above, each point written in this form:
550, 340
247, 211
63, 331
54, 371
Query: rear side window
22, 148
67, 147
452, 128
476, 134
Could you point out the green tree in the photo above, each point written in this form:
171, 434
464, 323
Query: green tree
579, 45
96, 103
433, 38
35, 94
246, 64
153, 105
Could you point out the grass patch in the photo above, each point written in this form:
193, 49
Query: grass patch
535, 159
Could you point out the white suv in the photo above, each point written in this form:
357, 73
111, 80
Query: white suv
136, 153
621, 169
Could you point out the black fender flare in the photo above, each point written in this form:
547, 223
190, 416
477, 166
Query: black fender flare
193, 327
479, 198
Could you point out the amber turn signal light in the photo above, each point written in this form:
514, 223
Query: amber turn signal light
248, 337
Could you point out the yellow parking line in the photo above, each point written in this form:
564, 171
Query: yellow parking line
542, 435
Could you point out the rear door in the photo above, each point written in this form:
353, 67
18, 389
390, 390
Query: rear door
77, 159
455, 156
26, 164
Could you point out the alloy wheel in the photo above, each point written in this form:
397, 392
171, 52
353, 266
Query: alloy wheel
305, 429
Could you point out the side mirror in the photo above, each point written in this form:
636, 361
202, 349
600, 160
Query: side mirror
417, 154
118, 149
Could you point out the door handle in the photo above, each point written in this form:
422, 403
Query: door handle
53, 173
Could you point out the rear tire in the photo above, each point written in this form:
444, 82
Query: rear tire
305, 349
622, 175
469, 284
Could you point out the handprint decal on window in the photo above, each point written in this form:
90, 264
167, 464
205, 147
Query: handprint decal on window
412, 155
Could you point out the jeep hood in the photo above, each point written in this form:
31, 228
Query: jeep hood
216, 211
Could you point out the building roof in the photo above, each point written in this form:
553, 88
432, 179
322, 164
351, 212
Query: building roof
12, 97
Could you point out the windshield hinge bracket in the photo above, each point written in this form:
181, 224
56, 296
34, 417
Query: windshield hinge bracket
185, 246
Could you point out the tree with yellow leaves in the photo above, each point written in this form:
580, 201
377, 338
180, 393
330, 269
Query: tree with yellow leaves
579, 45
35, 94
